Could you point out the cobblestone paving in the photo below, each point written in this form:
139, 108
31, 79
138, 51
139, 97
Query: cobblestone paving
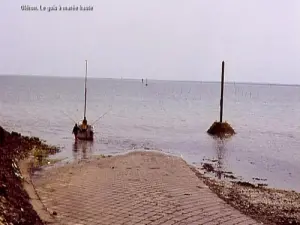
136, 188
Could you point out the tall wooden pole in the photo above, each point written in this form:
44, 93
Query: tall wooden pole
222, 91
85, 89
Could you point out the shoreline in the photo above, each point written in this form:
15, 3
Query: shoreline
207, 165
15, 202
265, 204
268, 205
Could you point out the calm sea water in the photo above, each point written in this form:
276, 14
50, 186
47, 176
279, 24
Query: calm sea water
166, 115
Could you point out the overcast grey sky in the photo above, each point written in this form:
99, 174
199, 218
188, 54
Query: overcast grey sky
159, 39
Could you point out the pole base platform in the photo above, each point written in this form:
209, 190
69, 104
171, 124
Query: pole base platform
222, 130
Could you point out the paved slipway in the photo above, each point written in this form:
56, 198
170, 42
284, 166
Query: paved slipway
136, 188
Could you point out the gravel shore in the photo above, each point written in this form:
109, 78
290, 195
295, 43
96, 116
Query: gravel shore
268, 205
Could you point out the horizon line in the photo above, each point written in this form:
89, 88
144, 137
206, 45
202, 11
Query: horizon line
128, 78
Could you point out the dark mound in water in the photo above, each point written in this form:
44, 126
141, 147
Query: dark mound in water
219, 129
15, 207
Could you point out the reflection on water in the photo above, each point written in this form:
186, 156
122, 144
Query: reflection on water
82, 149
220, 147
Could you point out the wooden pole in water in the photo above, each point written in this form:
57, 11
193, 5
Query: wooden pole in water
85, 89
221, 129
222, 92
